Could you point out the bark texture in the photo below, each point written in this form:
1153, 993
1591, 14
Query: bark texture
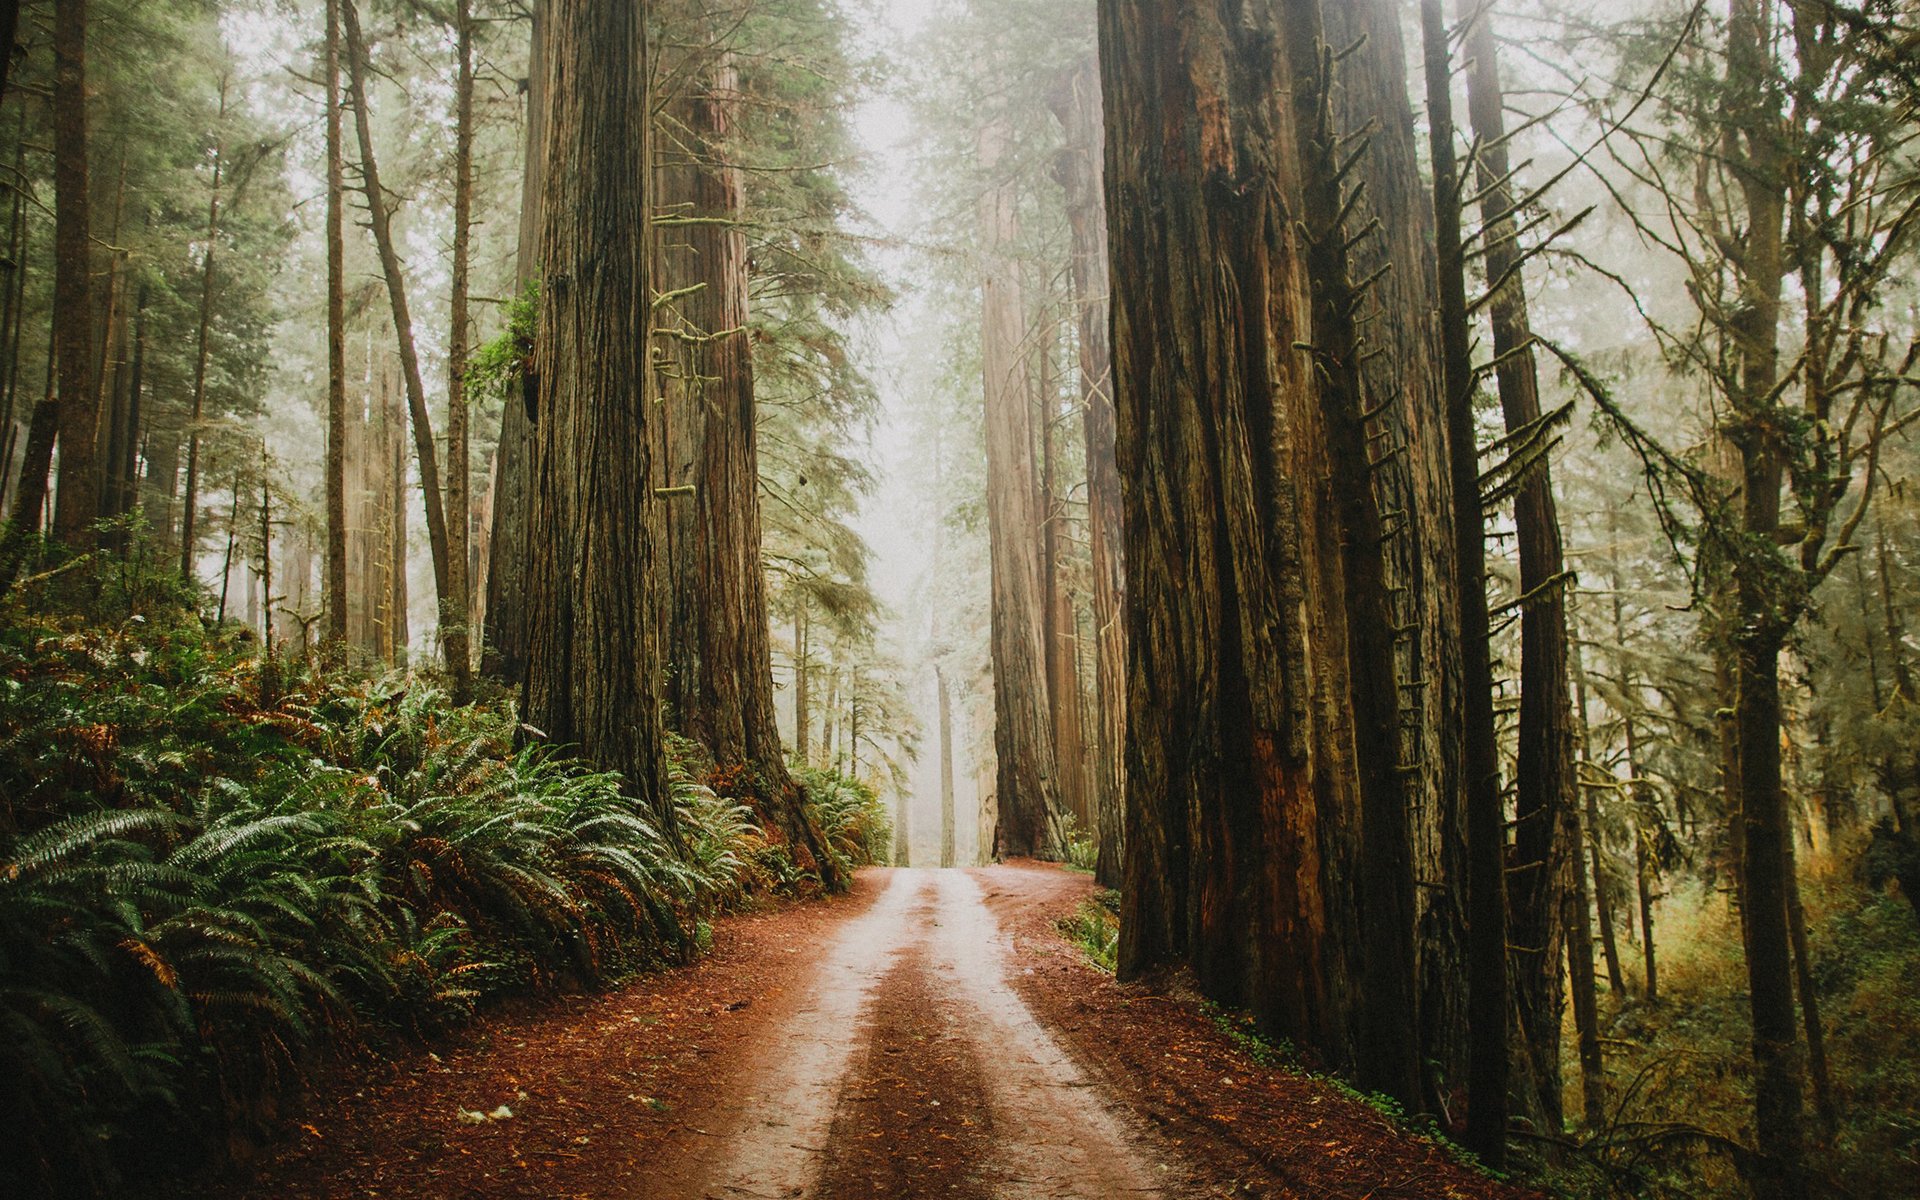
718, 651
593, 659
1274, 784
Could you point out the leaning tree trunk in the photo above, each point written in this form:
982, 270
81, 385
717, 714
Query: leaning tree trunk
593, 659
1543, 779
506, 582
1028, 774
1268, 845
1081, 171
723, 689
77, 505
448, 587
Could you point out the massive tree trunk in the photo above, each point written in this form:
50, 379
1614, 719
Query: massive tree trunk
451, 595
506, 582
77, 505
1268, 786
721, 682
1543, 780
1488, 1062
337, 584
1028, 786
1081, 171
593, 666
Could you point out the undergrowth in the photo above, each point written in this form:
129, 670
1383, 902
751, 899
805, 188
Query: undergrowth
213, 867
1679, 1074
1095, 928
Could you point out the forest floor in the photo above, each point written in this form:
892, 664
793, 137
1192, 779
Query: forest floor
930, 1035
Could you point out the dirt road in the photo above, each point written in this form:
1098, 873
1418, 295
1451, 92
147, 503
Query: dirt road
929, 1036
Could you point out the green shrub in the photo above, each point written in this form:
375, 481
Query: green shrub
1096, 930
857, 827
199, 890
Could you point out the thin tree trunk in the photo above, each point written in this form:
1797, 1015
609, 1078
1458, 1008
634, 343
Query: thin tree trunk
336, 465
458, 595
1645, 866
191, 501
399, 606
127, 470
451, 597
506, 583
226, 563
1488, 1062
948, 856
1610, 948
1817, 1068
1586, 999
16, 288
77, 506
593, 665
802, 747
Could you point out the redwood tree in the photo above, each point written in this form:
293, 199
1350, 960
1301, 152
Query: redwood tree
1272, 766
1028, 789
719, 673
593, 663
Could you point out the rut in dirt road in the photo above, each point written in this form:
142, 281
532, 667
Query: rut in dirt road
913, 1069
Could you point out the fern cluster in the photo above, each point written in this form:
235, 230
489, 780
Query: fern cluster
196, 891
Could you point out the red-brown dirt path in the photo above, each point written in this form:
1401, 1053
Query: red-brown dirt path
931, 1035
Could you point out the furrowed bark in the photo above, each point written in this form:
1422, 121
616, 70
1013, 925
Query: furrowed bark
593, 663
1268, 843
